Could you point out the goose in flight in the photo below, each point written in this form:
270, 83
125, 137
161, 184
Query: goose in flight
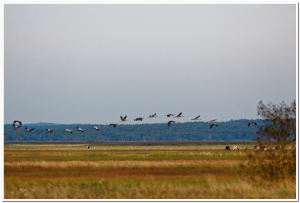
152, 116
196, 118
17, 122
113, 124
251, 123
95, 127
179, 115
213, 120
169, 123
67, 130
79, 129
213, 125
123, 118
49, 131
16, 127
170, 115
29, 130
138, 119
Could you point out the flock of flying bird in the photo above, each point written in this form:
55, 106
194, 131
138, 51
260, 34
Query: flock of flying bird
17, 127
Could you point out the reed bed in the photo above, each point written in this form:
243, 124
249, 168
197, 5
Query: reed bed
124, 164
132, 172
206, 188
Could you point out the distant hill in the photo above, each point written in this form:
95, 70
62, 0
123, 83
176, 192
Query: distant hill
233, 130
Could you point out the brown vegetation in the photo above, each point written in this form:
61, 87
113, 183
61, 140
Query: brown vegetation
208, 187
277, 162
121, 173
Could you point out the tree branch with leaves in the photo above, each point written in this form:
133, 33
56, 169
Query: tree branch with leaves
276, 134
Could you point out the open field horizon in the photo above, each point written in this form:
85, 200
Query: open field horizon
124, 171
139, 100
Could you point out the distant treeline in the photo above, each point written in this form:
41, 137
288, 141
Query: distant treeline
142, 143
233, 130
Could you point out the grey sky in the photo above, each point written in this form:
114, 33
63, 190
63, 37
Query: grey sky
92, 63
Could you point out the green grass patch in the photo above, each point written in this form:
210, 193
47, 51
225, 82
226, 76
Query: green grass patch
95, 155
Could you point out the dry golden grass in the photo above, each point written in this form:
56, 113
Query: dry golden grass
132, 173
206, 188
124, 164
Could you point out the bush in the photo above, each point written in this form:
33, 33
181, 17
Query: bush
277, 134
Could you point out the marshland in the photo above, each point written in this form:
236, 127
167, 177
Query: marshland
124, 170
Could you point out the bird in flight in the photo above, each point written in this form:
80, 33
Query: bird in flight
29, 130
95, 127
152, 116
49, 131
213, 120
113, 124
169, 123
196, 118
252, 123
213, 125
170, 115
179, 115
67, 130
123, 119
138, 119
17, 122
17, 127
79, 129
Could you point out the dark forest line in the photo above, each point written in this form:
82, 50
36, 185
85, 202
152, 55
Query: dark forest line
133, 143
233, 130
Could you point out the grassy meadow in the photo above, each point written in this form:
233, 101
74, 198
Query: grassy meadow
132, 171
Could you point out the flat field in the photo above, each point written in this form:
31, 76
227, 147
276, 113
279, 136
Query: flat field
131, 171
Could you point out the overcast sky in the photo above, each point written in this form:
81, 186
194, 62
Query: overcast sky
89, 63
